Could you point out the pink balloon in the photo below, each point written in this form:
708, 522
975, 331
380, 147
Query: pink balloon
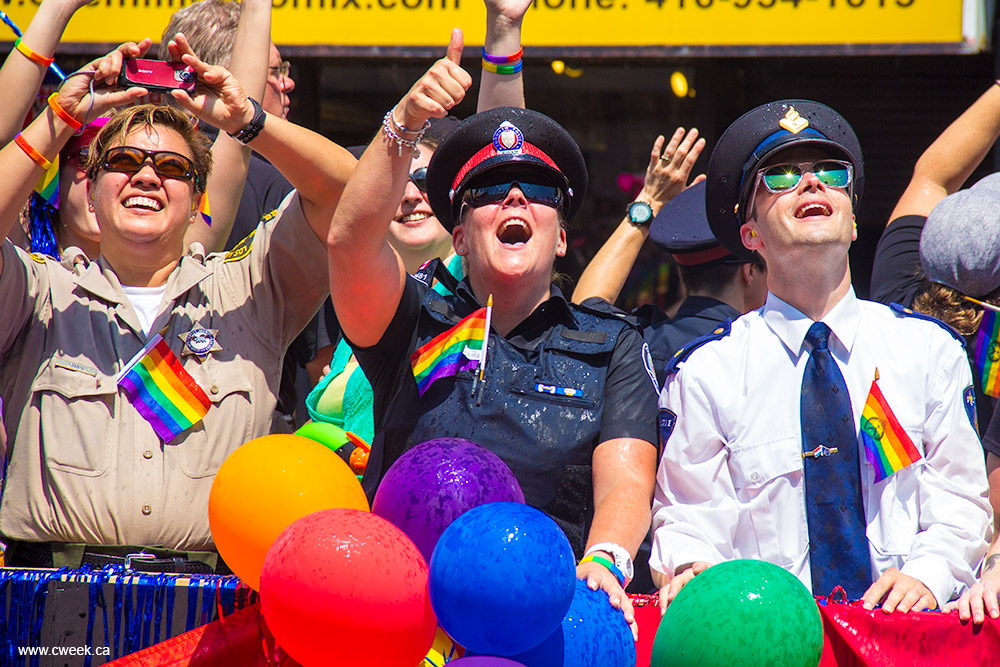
341, 586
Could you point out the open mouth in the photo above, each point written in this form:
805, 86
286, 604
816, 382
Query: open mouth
143, 203
813, 208
514, 232
410, 218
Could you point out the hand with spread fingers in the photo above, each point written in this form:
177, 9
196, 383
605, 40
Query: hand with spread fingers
898, 592
598, 577
679, 581
93, 89
219, 97
670, 167
983, 598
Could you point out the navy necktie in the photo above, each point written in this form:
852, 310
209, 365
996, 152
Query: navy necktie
838, 545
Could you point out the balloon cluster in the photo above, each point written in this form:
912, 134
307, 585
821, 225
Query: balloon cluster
290, 518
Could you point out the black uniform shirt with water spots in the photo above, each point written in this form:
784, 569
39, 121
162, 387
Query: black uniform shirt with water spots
526, 415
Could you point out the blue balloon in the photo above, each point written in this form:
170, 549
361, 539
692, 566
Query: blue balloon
484, 661
501, 578
592, 633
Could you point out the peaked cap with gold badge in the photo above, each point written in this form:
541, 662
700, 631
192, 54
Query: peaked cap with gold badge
518, 140
752, 139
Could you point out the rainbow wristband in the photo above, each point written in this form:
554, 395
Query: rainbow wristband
600, 560
30, 151
503, 60
31, 54
502, 69
64, 115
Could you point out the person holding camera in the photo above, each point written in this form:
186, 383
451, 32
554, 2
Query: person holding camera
127, 380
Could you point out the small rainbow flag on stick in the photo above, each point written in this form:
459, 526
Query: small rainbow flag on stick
887, 446
458, 349
47, 186
162, 391
988, 350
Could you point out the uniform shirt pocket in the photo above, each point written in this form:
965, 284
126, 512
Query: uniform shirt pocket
894, 511
76, 405
227, 425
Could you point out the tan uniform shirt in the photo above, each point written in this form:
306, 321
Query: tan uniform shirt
84, 465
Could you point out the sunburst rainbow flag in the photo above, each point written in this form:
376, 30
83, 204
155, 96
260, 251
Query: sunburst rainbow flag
460, 348
887, 446
162, 391
988, 352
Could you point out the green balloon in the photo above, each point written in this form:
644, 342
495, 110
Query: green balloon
328, 435
741, 612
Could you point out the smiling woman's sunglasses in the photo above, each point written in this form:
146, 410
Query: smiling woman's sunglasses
780, 178
129, 160
549, 195
419, 178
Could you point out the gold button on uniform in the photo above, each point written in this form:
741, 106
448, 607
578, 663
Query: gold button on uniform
214, 389
148, 454
147, 510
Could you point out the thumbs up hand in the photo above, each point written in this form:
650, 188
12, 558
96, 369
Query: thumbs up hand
441, 88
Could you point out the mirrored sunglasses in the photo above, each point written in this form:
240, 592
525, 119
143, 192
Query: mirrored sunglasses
129, 160
780, 178
549, 195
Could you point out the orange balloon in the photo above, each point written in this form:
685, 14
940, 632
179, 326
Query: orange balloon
265, 486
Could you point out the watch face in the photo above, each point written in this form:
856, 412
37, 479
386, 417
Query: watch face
640, 213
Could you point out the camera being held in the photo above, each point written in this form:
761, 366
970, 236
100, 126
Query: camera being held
157, 76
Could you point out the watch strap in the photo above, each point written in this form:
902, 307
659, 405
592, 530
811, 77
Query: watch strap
623, 559
601, 560
253, 128
631, 218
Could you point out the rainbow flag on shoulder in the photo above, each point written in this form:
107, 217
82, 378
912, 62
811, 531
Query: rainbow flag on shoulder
460, 348
162, 391
988, 352
887, 446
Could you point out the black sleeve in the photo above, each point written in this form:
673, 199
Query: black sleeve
991, 439
896, 271
630, 396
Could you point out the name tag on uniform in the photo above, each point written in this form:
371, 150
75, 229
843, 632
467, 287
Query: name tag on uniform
557, 391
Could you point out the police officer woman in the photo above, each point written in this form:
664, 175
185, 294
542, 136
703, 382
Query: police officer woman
565, 400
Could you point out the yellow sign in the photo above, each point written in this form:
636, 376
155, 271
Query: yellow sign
552, 22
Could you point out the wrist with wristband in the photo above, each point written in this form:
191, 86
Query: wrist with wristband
250, 131
63, 115
621, 556
511, 64
31, 54
601, 560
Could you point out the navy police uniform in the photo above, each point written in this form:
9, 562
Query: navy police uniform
563, 381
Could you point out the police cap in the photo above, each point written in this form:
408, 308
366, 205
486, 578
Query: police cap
505, 138
681, 230
752, 139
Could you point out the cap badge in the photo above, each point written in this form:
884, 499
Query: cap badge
793, 122
200, 342
507, 138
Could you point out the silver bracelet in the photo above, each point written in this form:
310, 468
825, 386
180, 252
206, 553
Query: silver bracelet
394, 132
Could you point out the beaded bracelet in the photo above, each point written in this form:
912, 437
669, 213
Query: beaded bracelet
32, 55
503, 69
503, 60
73, 123
394, 132
600, 560
30, 151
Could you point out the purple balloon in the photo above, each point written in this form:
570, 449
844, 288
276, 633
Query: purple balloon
484, 661
437, 481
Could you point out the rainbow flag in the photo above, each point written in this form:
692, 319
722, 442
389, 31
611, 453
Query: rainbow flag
205, 210
887, 446
457, 349
988, 352
162, 391
48, 185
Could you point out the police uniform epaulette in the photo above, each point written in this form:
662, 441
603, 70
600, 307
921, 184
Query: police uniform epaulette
903, 311
603, 309
720, 332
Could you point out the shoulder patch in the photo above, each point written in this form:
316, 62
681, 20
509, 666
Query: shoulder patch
37, 256
242, 249
680, 355
668, 420
969, 400
268, 217
647, 361
903, 311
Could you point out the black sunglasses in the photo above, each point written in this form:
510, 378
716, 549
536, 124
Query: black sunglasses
549, 195
419, 178
129, 160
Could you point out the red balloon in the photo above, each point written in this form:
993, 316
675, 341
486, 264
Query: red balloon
342, 586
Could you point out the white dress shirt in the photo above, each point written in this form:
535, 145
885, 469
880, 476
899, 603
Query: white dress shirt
730, 482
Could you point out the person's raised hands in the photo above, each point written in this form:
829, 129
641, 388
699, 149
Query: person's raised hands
93, 89
219, 98
440, 89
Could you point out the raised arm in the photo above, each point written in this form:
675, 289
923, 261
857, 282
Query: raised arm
249, 65
953, 156
666, 176
503, 39
23, 162
366, 274
21, 77
314, 165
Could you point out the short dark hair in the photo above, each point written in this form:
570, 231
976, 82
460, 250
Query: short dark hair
712, 278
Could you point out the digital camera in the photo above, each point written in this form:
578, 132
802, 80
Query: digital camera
157, 76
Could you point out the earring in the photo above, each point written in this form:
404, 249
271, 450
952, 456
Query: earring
753, 234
